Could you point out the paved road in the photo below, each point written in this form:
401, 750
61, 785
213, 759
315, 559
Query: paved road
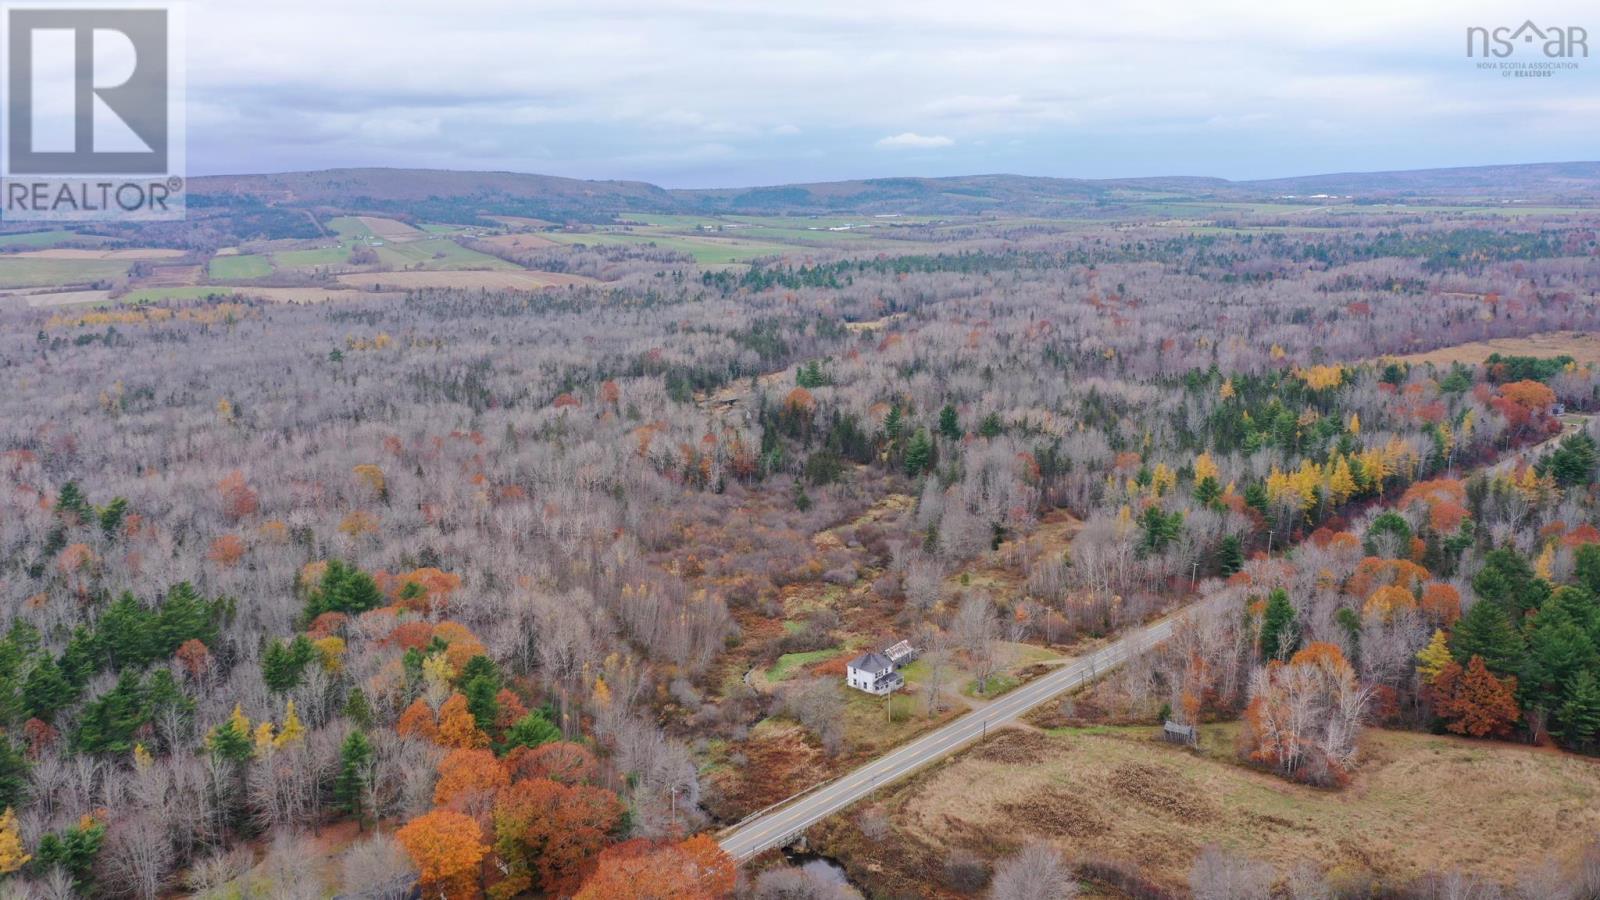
1573, 424
774, 828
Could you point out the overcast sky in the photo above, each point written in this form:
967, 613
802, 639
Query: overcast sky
685, 93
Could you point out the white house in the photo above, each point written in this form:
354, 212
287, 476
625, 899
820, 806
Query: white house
874, 673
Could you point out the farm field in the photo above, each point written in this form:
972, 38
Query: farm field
38, 238
17, 272
276, 294
437, 253
126, 253
389, 229
1420, 803
239, 267
1582, 346
512, 279
705, 250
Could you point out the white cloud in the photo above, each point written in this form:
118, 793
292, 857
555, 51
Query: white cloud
662, 90
910, 140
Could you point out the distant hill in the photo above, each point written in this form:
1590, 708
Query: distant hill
1576, 181
416, 190
459, 196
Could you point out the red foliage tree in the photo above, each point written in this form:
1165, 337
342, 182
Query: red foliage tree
1474, 702
562, 761
549, 835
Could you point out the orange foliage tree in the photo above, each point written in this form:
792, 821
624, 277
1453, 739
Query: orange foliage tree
469, 780
457, 727
548, 834
696, 869
448, 850
226, 550
238, 500
1474, 702
1304, 716
418, 721
1442, 602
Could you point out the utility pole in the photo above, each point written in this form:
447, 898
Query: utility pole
1194, 573
1270, 532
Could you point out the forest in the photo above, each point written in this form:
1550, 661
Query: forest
487, 592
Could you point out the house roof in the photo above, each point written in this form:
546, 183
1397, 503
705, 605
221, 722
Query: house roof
871, 662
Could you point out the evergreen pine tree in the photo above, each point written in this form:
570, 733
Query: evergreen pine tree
1578, 718
1230, 555
949, 423
1486, 631
532, 730
1279, 634
355, 773
919, 453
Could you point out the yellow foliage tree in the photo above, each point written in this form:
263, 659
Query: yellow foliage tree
1341, 481
1543, 565
12, 855
437, 671
1355, 423
1388, 600
1434, 658
331, 651
1322, 377
1227, 392
293, 731
1205, 467
263, 739
1162, 479
371, 476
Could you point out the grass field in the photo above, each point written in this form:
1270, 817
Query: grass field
16, 272
790, 663
389, 229
41, 239
1418, 804
349, 227
438, 253
275, 294
705, 250
1583, 347
496, 280
314, 258
239, 267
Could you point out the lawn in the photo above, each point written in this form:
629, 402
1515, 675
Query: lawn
1418, 803
35, 272
239, 267
790, 663
998, 684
